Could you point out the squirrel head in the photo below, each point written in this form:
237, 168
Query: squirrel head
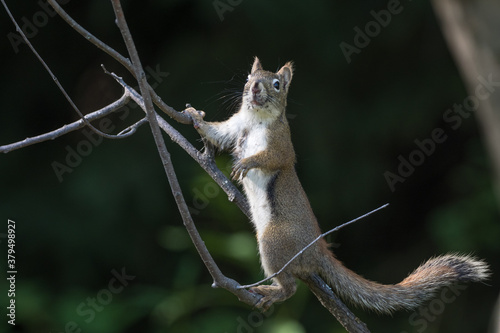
265, 91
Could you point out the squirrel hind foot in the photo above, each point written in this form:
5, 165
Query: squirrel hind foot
274, 293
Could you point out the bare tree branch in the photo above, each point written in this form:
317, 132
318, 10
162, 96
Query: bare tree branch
471, 30
73, 126
219, 279
176, 115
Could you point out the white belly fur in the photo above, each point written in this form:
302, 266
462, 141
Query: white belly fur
256, 181
255, 185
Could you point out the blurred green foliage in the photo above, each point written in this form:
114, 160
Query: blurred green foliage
350, 123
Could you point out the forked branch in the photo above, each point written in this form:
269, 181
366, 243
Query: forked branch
74, 126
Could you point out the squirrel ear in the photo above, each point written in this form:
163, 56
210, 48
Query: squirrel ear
286, 72
256, 65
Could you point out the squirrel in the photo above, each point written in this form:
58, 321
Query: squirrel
258, 135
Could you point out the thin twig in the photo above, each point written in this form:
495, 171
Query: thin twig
133, 94
219, 278
54, 78
132, 128
314, 241
171, 112
72, 126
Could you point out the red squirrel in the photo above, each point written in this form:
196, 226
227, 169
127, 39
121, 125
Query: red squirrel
258, 135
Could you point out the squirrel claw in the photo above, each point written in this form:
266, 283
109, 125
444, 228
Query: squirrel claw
238, 173
195, 115
241, 168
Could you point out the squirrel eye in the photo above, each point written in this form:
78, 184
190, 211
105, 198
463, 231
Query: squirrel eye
276, 84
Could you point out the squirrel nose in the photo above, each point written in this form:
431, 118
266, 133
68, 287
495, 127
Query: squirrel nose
256, 88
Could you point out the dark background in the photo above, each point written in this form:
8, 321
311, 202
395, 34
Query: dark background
350, 122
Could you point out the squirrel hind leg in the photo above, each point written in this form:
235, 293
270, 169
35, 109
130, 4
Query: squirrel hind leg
284, 288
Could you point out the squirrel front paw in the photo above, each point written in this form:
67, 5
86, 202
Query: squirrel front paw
241, 168
196, 116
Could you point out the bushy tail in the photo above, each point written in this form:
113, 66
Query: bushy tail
418, 287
